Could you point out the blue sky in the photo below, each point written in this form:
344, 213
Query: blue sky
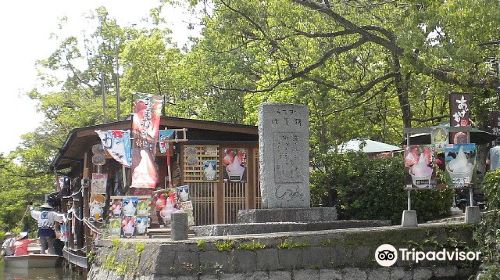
26, 26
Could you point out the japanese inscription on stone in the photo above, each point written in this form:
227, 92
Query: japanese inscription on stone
284, 155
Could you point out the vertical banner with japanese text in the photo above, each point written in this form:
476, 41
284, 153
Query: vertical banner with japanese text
460, 116
145, 127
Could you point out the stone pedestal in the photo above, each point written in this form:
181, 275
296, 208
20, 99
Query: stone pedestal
179, 230
472, 215
409, 218
315, 214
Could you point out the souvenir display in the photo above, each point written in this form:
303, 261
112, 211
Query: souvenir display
235, 161
141, 225
143, 207
210, 170
115, 227
419, 164
460, 162
117, 144
128, 226
129, 206
98, 183
145, 127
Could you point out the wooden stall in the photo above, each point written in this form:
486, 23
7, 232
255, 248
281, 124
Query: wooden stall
217, 189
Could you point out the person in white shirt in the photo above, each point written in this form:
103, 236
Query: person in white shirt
46, 219
8, 244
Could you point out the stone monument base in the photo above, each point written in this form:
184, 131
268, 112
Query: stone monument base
277, 215
409, 218
472, 215
260, 228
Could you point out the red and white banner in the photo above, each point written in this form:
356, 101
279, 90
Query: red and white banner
145, 127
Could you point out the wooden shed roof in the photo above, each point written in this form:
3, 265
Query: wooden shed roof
81, 139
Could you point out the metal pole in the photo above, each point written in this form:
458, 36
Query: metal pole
409, 199
471, 196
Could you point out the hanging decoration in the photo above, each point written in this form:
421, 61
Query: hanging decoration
117, 144
145, 126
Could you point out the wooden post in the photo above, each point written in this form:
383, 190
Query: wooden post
219, 193
86, 200
251, 180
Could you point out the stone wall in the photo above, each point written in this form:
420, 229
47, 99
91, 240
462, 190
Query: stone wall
332, 254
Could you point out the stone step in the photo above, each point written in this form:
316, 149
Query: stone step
259, 228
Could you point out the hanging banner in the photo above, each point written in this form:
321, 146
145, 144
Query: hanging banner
98, 183
145, 127
419, 164
460, 162
117, 144
459, 116
164, 136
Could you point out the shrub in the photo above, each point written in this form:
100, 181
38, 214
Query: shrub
372, 188
487, 236
491, 188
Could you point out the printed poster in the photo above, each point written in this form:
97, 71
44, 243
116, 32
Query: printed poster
128, 226
96, 205
141, 225
235, 164
115, 227
439, 137
164, 137
117, 144
98, 183
460, 161
420, 167
145, 127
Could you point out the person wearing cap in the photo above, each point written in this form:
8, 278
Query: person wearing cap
21, 244
8, 244
46, 219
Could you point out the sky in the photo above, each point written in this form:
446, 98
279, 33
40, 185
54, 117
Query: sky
25, 29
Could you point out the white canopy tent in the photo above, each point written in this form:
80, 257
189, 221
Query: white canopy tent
366, 146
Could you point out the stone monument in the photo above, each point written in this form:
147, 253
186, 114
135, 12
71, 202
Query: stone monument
284, 155
284, 168
284, 181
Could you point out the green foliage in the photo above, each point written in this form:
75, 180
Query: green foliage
491, 188
290, 244
251, 246
372, 188
201, 244
487, 236
226, 245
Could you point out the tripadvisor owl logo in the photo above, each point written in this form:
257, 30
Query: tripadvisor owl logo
387, 255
